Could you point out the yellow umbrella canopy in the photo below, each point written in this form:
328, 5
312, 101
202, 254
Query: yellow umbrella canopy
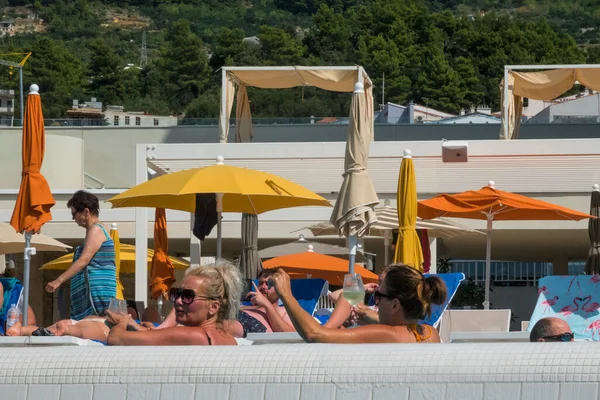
408, 247
114, 235
244, 190
127, 255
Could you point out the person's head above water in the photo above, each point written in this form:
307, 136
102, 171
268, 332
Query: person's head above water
551, 329
208, 293
266, 289
406, 295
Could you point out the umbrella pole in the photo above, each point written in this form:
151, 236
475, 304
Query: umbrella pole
219, 234
488, 262
352, 243
29, 251
386, 244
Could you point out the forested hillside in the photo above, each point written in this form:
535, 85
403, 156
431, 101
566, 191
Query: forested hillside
450, 52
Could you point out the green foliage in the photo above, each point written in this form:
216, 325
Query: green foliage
440, 52
468, 294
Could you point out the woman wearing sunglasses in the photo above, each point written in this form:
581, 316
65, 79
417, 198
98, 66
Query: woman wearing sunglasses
209, 295
404, 297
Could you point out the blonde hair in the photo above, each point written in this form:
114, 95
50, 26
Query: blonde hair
225, 285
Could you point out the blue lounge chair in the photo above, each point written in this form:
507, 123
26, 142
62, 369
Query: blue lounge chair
306, 291
12, 292
452, 282
574, 299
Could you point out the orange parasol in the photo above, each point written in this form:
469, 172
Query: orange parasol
32, 208
317, 265
162, 275
492, 204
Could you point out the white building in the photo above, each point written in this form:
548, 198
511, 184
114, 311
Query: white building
579, 109
7, 107
117, 116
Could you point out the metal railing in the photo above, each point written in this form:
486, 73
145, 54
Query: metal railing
96, 180
527, 272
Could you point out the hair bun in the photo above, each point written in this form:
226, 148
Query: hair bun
434, 290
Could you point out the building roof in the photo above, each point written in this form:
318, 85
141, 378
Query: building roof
473, 118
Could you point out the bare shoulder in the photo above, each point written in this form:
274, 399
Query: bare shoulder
434, 335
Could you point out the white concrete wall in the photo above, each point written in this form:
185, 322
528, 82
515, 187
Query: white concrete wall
558, 371
63, 159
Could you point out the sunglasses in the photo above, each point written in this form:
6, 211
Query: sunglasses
187, 295
563, 337
378, 295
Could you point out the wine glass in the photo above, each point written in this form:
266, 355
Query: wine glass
118, 306
354, 291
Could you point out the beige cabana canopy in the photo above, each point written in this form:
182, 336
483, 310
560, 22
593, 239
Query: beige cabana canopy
541, 85
335, 79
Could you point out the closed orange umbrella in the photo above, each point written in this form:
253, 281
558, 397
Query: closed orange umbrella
317, 265
162, 275
32, 208
492, 204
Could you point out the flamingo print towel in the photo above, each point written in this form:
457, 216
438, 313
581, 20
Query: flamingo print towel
575, 299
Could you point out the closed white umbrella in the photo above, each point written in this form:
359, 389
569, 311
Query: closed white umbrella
353, 210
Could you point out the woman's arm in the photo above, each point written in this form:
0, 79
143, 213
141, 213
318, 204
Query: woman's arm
340, 313
276, 321
181, 335
93, 241
312, 332
1, 296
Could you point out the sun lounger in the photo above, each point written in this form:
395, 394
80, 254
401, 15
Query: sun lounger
307, 292
574, 299
452, 282
473, 321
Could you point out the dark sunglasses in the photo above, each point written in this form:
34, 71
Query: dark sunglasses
187, 295
378, 295
563, 337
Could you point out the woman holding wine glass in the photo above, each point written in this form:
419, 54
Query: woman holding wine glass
404, 297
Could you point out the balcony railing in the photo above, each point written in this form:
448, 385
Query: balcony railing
526, 272
307, 129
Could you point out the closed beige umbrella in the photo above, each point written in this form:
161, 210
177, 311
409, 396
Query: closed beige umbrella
250, 263
353, 211
12, 242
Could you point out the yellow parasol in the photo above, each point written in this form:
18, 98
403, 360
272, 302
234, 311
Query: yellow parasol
237, 190
408, 246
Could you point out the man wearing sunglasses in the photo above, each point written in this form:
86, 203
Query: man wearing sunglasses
551, 330
265, 314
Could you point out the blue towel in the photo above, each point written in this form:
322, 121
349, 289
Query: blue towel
574, 299
452, 281
12, 291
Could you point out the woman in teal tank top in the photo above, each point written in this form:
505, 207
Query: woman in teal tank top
93, 272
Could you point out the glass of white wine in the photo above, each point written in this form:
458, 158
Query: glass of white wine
354, 291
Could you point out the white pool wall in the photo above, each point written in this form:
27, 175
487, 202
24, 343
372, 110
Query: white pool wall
548, 371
